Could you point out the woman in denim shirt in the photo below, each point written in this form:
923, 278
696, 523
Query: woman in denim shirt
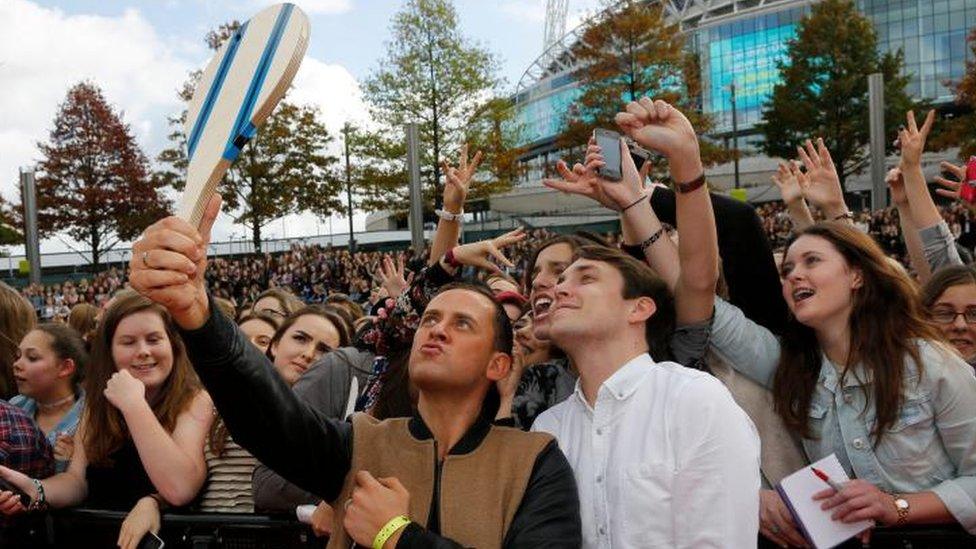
861, 373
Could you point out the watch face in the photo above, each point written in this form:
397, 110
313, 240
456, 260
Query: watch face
901, 503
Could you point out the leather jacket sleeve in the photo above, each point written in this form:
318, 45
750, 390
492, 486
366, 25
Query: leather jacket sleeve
263, 414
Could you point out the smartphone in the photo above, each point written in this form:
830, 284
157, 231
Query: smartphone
5, 486
609, 143
151, 541
967, 191
637, 153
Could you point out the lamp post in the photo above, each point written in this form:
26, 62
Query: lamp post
345, 134
735, 134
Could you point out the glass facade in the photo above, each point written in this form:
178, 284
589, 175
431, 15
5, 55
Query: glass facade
931, 33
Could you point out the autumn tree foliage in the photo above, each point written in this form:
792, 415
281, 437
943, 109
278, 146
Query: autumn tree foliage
959, 131
93, 182
632, 51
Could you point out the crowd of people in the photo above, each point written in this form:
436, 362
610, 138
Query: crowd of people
648, 389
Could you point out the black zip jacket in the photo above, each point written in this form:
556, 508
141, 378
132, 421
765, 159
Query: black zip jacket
314, 452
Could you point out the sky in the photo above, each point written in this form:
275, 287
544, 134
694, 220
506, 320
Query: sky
139, 53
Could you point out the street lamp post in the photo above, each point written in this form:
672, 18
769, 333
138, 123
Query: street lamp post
735, 134
352, 239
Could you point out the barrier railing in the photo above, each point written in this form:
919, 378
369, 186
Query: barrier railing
96, 529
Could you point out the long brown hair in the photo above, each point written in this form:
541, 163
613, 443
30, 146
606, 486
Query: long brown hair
16, 319
105, 428
886, 318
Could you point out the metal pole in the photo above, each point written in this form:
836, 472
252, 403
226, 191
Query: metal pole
31, 241
735, 135
876, 111
352, 239
416, 219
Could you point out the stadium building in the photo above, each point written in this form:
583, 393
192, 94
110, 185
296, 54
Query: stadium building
737, 41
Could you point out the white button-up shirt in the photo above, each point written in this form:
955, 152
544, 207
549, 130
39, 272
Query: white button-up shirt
665, 458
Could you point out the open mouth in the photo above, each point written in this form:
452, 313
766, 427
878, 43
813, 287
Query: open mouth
143, 367
541, 306
801, 294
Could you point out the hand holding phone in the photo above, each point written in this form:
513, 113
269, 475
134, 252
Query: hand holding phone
6, 486
609, 143
151, 541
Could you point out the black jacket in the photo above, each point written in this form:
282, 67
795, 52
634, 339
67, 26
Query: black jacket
314, 452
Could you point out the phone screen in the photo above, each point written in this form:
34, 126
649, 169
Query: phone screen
609, 143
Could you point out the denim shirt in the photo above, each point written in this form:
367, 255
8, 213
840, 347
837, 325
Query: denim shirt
931, 446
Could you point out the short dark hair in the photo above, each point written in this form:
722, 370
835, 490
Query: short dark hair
641, 281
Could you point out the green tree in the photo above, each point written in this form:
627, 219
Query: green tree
283, 170
11, 222
431, 75
93, 181
959, 130
824, 88
631, 52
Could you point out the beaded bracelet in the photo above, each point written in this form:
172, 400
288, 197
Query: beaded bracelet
651, 240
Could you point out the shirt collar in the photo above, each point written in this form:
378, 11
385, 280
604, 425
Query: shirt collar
625, 381
468, 443
856, 376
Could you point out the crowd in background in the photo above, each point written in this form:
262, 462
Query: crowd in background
110, 409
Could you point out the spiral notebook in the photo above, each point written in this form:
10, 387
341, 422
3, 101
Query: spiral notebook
797, 491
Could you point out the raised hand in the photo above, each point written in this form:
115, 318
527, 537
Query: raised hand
786, 179
951, 189
168, 265
585, 181
658, 126
477, 254
459, 179
391, 277
912, 139
125, 391
896, 182
820, 184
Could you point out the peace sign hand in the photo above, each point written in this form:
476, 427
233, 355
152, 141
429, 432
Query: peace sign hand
912, 139
459, 180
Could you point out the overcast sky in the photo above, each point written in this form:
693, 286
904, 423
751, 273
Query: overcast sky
139, 52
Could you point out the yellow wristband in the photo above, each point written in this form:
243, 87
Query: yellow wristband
391, 528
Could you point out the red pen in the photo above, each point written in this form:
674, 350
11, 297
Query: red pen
823, 476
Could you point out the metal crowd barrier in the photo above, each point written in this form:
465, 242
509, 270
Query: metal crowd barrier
97, 529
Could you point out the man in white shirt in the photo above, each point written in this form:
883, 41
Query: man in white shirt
663, 456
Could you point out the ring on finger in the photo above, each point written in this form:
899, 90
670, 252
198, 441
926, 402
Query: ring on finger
145, 259
773, 528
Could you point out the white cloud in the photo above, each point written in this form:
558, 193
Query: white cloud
44, 51
525, 10
311, 7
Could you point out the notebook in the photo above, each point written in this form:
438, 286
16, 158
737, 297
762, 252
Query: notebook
797, 491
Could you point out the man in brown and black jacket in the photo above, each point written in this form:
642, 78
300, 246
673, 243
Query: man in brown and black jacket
460, 480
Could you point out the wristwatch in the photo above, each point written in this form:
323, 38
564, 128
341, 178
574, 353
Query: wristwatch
901, 507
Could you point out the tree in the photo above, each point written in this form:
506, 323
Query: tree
10, 220
93, 181
494, 131
629, 53
959, 131
823, 89
284, 169
433, 76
